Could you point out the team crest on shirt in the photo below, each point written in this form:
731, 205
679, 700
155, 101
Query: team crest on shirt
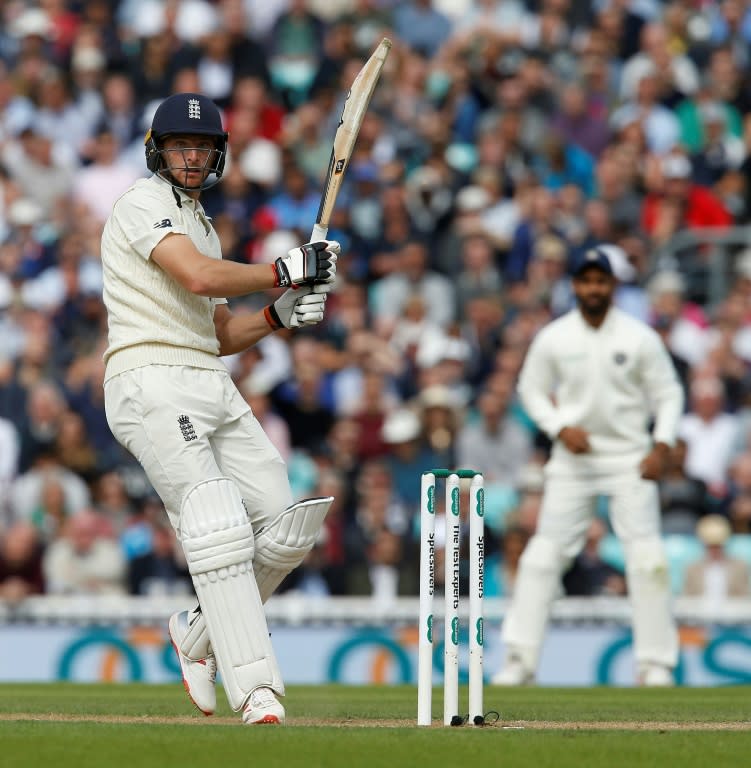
619, 358
163, 224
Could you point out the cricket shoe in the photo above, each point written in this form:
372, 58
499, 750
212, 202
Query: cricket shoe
199, 675
514, 673
263, 707
656, 676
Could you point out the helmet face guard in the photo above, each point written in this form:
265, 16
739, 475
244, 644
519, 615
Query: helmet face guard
190, 114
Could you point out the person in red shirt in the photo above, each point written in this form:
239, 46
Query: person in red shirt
677, 203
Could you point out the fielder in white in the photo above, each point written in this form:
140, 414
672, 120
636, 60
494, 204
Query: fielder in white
592, 380
172, 403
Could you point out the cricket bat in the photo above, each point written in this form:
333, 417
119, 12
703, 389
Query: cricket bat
355, 106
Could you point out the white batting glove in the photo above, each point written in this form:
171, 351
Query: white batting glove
296, 308
310, 264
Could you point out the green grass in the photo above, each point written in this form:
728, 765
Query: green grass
160, 730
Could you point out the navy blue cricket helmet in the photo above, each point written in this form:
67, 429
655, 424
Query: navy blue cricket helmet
187, 113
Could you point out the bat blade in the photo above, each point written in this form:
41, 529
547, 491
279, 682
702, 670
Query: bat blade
355, 107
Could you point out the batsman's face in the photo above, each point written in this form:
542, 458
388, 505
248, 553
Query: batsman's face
594, 291
188, 158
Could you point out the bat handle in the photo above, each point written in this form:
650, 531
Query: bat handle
319, 233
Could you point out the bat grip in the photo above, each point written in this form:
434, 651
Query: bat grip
319, 233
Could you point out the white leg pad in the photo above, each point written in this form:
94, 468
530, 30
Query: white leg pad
537, 584
282, 546
655, 632
218, 541
195, 645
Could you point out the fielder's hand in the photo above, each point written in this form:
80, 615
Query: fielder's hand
575, 439
310, 264
296, 308
654, 463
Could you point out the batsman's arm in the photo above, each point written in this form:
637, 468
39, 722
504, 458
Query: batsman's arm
309, 264
237, 332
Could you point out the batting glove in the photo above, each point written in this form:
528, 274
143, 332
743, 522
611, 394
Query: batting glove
310, 264
296, 308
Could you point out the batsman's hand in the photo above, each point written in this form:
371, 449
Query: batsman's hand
296, 308
310, 264
575, 439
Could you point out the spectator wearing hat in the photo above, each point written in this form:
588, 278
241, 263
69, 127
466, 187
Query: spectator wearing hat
717, 576
408, 454
441, 415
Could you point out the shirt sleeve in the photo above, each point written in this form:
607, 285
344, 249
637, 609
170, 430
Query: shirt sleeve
664, 389
536, 382
146, 220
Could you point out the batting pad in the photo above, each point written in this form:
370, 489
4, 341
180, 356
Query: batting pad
218, 541
195, 645
282, 546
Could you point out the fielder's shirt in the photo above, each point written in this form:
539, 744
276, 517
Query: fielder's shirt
610, 381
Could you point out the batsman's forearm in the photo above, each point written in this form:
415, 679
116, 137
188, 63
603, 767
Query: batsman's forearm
223, 279
241, 331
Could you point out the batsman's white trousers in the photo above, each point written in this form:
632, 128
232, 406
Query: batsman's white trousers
568, 506
185, 425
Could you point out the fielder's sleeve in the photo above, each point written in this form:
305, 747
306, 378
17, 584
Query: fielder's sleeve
146, 220
536, 384
663, 388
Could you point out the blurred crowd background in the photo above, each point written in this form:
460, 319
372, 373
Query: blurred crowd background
505, 137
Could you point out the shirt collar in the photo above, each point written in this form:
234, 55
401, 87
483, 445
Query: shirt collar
181, 197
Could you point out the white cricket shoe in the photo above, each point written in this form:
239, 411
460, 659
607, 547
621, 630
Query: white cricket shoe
262, 707
514, 673
198, 675
656, 676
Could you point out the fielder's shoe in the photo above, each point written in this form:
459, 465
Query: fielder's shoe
656, 676
198, 676
263, 707
514, 673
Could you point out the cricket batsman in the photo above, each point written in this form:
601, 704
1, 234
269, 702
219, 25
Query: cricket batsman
171, 402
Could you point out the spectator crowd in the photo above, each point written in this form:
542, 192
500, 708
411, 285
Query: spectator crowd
505, 137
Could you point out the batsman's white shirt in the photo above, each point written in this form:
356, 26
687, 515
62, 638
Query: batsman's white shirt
169, 398
610, 381
152, 318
